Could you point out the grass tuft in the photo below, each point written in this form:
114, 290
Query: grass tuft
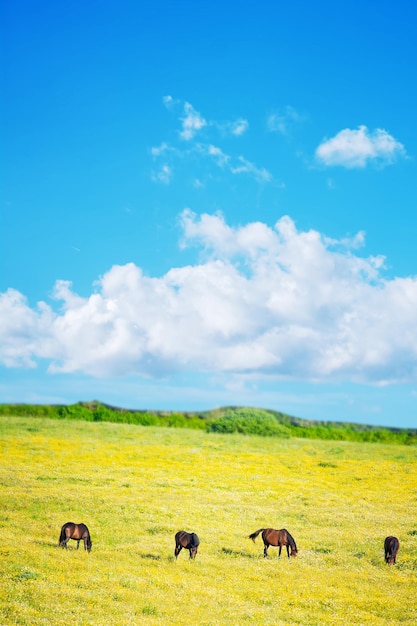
148, 609
25, 574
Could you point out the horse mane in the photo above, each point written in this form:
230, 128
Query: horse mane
291, 541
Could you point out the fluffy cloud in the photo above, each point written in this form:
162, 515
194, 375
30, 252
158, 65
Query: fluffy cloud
261, 301
356, 148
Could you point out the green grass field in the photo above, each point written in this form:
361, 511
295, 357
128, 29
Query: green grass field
136, 486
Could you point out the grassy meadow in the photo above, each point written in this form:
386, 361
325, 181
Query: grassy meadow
135, 486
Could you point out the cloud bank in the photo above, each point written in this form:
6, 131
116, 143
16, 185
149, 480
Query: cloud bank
357, 148
261, 301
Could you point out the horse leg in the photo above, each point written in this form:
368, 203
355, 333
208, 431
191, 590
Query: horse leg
288, 551
177, 550
279, 550
78, 543
266, 546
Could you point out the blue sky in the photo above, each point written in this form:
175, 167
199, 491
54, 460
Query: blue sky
211, 204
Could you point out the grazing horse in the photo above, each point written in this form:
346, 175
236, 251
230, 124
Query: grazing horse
190, 541
279, 538
77, 532
391, 547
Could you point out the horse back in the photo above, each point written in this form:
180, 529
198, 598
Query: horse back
75, 531
275, 537
186, 540
82, 531
391, 545
270, 535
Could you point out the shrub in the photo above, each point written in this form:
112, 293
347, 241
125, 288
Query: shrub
248, 422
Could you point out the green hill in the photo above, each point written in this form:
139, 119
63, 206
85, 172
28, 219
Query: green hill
231, 419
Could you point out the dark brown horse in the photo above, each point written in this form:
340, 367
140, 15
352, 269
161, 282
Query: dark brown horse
391, 547
77, 532
279, 538
189, 541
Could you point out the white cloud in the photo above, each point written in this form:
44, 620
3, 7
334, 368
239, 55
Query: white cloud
192, 122
283, 121
163, 175
169, 101
357, 241
243, 166
236, 128
261, 302
156, 151
246, 167
25, 333
219, 156
356, 148
239, 127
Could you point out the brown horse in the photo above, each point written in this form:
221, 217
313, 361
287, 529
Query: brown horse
189, 541
391, 547
279, 538
77, 532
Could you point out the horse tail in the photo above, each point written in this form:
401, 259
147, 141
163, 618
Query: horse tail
62, 535
255, 534
392, 546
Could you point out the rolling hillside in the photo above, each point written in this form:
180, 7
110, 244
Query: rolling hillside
244, 420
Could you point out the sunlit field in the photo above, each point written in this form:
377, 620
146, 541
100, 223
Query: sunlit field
136, 486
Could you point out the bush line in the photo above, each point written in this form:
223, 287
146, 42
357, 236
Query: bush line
227, 420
